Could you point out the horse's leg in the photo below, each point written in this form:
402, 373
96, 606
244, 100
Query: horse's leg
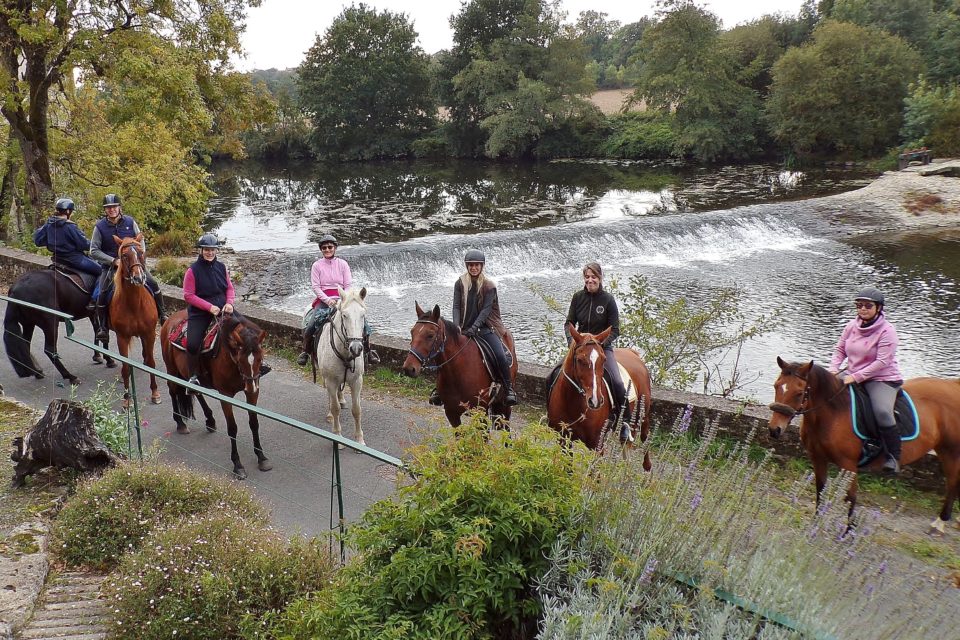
263, 463
147, 342
852, 499
333, 397
51, 331
209, 421
950, 464
123, 346
182, 406
454, 414
238, 471
820, 476
355, 389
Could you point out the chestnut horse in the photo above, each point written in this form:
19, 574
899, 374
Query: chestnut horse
827, 434
579, 403
133, 312
233, 367
462, 380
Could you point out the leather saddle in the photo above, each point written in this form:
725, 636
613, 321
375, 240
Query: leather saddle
83, 281
178, 336
865, 424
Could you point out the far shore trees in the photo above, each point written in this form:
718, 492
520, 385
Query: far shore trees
366, 87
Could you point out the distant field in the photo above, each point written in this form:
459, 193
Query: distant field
611, 100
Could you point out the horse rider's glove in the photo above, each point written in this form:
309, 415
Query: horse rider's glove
471, 332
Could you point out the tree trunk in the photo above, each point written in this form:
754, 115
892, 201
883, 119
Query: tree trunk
63, 438
9, 213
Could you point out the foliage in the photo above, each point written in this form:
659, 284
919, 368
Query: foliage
287, 136
942, 49
753, 48
455, 553
842, 92
113, 514
685, 70
641, 134
111, 427
931, 117
708, 546
365, 85
170, 271
908, 19
211, 576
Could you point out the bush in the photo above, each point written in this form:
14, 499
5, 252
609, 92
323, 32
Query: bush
111, 427
211, 576
170, 271
173, 242
111, 515
455, 554
640, 134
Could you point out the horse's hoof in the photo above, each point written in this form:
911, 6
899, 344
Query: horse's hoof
343, 404
74, 382
97, 358
38, 376
329, 417
211, 427
184, 429
240, 473
264, 465
111, 364
155, 400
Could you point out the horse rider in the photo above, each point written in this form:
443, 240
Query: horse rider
64, 239
476, 310
328, 273
869, 346
105, 250
208, 292
592, 310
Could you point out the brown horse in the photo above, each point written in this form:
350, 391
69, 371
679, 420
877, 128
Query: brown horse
579, 404
827, 433
462, 380
132, 310
233, 367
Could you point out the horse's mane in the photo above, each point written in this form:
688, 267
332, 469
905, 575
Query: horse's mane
826, 382
451, 328
250, 329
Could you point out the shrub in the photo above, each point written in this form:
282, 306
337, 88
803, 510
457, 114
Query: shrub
211, 576
112, 514
640, 134
175, 242
454, 554
111, 427
170, 271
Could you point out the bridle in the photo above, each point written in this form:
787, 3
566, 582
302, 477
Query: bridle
573, 383
349, 361
435, 349
789, 412
236, 357
129, 263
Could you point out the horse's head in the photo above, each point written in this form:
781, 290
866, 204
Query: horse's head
427, 340
790, 392
583, 365
132, 260
352, 312
244, 341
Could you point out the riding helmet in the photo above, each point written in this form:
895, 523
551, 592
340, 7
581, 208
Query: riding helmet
871, 294
328, 238
208, 240
64, 204
474, 255
111, 200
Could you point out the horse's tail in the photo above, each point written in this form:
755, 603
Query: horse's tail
182, 403
17, 344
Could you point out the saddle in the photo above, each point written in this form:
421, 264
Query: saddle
83, 281
865, 423
489, 360
178, 336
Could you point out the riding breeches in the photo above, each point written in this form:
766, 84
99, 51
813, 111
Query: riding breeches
196, 329
883, 397
492, 340
616, 382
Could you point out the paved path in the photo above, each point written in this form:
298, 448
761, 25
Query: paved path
298, 488
70, 609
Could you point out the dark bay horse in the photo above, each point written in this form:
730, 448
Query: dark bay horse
233, 367
462, 380
579, 403
132, 310
826, 432
47, 288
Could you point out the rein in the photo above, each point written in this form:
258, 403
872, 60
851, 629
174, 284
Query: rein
435, 349
236, 360
789, 412
574, 383
128, 268
349, 362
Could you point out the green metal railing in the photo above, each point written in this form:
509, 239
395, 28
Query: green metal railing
336, 478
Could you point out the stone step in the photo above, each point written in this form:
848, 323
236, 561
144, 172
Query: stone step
69, 595
69, 609
85, 632
66, 614
47, 619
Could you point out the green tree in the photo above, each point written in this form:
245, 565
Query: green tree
843, 92
942, 50
47, 42
366, 86
932, 117
753, 48
685, 69
909, 19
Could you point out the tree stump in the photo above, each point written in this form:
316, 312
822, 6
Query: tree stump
64, 438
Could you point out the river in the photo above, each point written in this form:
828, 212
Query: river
404, 226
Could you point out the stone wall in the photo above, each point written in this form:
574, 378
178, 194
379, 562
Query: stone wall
734, 419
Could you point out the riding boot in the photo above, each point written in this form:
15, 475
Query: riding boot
158, 300
307, 346
193, 365
435, 399
372, 356
891, 442
103, 322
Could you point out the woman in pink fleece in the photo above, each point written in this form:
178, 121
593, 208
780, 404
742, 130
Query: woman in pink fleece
328, 273
869, 346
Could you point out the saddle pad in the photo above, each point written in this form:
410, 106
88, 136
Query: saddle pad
82, 281
178, 336
864, 423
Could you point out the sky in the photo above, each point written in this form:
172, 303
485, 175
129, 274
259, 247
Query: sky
279, 32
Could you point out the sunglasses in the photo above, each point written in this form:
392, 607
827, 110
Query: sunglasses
327, 246
864, 305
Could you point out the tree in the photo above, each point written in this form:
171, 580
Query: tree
366, 86
754, 47
595, 31
909, 19
843, 92
684, 69
942, 51
47, 43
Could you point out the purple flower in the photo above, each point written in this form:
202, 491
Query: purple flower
695, 502
685, 420
648, 570
869, 590
882, 569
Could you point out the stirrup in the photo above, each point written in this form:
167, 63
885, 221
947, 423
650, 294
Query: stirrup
891, 466
434, 398
626, 433
373, 357
302, 358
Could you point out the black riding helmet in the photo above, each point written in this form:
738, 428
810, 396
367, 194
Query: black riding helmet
328, 239
111, 200
208, 240
474, 255
64, 204
871, 294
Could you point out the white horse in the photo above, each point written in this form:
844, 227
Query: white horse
340, 356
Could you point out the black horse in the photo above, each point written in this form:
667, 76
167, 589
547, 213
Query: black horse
47, 288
